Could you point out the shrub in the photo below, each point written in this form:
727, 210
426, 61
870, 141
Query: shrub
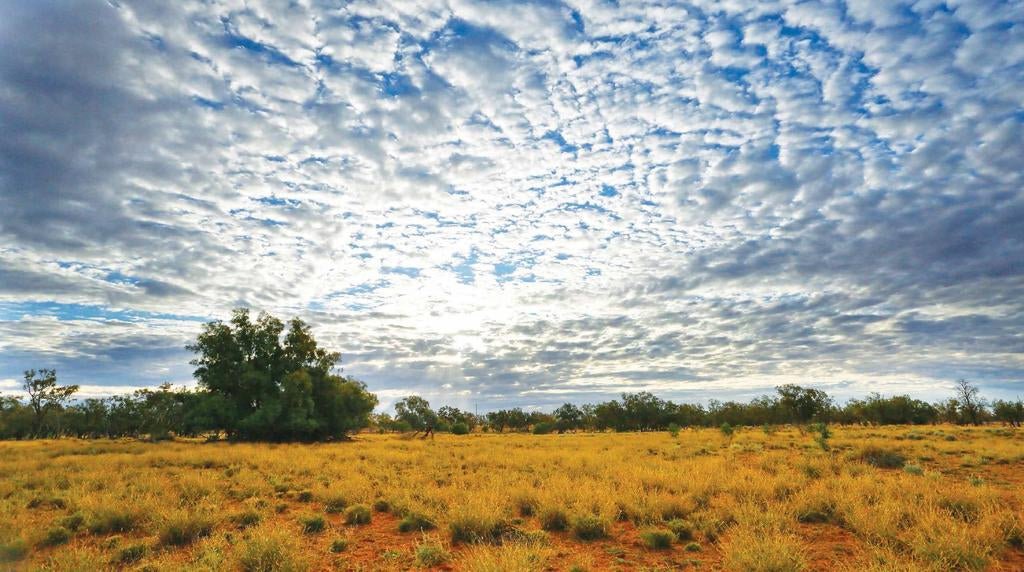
381, 505
269, 553
73, 522
56, 536
657, 539
131, 554
460, 428
339, 545
246, 518
913, 469
683, 529
524, 504
882, 458
473, 528
335, 504
112, 520
554, 519
673, 430
543, 428
185, 529
415, 522
357, 514
13, 550
692, 547
430, 554
304, 496
312, 524
589, 527
727, 430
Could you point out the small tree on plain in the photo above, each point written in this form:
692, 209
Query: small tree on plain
44, 395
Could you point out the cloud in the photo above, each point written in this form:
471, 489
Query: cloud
518, 202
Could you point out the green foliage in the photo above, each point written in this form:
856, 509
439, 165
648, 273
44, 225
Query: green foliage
543, 428
673, 430
821, 434
416, 411
184, 529
114, 520
589, 527
339, 545
882, 458
246, 518
727, 430
73, 521
415, 522
657, 539
312, 524
459, 428
430, 554
56, 536
683, 529
692, 547
335, 504
553, 519
381, 505
357, 514
131, 554
13, 550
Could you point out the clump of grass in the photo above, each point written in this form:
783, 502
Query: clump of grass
269, 552
312, 524
357, 514
131, 554
657, 539
683, 529
304, 496
477, 528
525, 504
881, 457
107, 521
381, 505
692, 547
430, 553
184, 529
415, 522
246, 518
339, 545
73, 522
56, 536
554, 519
589, 527
46, 502
13, 550
913, 469
757, 550
335, 504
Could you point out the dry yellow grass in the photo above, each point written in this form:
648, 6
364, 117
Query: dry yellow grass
754, 502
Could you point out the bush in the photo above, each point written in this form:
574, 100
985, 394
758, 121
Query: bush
913, 469
543, 428
13, 550
335, 504
185, 529
357, 514
882, 458
683, 529
657, 539
588, 527
430, 554
312, 524
112, 520
73, 522
56, 536
415, 522
460, 428
246, 518
304, 496
554, 519
477, 529
692, 547
269, 553
673, 430
131, 554
381, 505
339, 545
727, 430
525, 504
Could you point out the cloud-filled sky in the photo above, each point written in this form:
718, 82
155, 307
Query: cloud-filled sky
521, 203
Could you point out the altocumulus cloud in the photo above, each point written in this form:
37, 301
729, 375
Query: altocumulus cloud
521, 203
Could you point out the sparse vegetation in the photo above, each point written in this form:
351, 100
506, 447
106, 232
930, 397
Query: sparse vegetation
357, 514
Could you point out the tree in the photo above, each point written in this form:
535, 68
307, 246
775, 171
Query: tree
416, 411
804, 404
568, 417
971, 405
1009, 412
44, 395
273, 388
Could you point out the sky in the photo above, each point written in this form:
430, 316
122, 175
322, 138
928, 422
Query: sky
520, 203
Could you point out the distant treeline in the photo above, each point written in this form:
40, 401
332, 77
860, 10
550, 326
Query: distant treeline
258, 381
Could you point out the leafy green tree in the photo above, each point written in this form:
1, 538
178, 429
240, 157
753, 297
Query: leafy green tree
568, 417
45, 396
804, 404
416, 411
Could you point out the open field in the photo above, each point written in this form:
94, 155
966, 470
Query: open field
893, 498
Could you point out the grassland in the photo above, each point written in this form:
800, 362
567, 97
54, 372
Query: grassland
894, 498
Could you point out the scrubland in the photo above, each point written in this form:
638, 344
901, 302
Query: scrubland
892, 498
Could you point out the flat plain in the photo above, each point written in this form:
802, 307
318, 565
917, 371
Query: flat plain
869, 498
